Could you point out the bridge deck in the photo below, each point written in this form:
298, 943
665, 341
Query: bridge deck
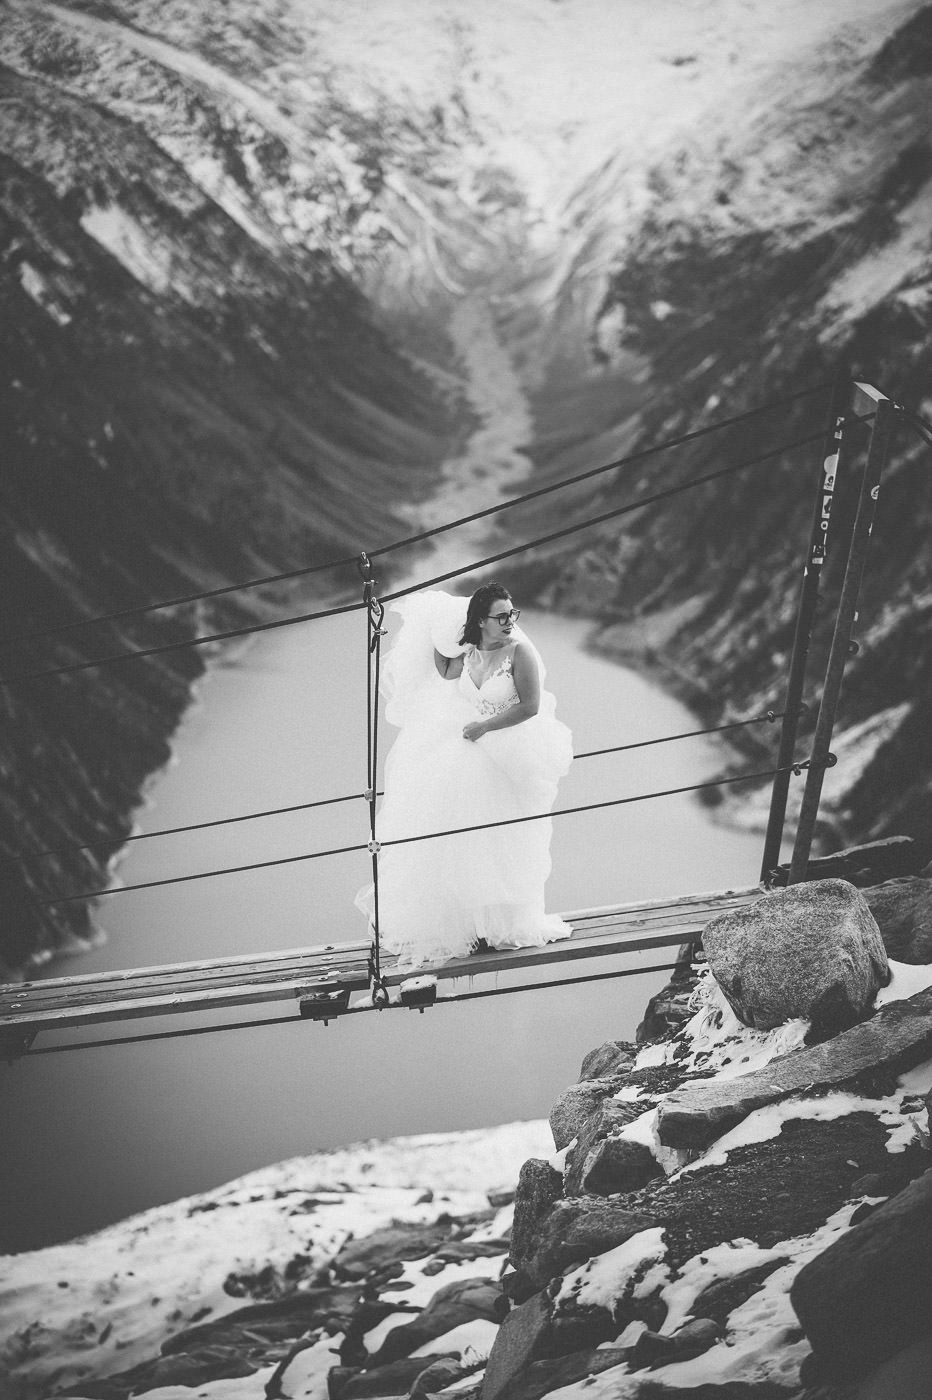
55, 1003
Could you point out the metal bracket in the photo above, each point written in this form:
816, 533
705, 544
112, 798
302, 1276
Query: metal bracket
320, 1005
419, 994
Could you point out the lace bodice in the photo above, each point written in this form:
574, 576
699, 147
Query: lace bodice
497, 692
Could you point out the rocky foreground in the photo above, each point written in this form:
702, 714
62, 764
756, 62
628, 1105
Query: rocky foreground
724, 1210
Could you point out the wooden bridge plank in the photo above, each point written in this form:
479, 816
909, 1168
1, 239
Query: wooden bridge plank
178, 999
243, 980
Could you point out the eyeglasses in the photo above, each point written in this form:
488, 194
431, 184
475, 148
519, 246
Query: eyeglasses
503, 619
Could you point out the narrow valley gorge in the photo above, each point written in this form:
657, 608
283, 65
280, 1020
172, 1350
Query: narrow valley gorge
234, 248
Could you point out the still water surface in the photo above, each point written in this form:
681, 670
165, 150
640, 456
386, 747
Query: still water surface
94, 1135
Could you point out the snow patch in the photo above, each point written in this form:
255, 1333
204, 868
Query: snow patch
605, 1278
716, 1043
130, 244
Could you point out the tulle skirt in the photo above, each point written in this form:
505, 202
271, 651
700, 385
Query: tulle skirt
437, 897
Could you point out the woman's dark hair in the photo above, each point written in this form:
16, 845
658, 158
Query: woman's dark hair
479, 607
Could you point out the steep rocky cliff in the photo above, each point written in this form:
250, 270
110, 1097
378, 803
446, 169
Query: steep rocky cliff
778, 244
193, 393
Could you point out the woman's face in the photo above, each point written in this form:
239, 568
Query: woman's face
499, 625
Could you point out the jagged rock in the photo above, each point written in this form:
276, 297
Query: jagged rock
867, 864
669, 1009
538, 1187
602, 1163
281, 1319
614, 1057
574, 1329
616, 1165
368, 1314
357, 1258
457, 1251
898, 1037
692, 1339
397, 1378
438, 1375
498, 1199
573, 1230
576, 1106
542, 1377
903, 911
519, 1342
194, 1370
812, 950
720, 1298
455, 1303
869, 1295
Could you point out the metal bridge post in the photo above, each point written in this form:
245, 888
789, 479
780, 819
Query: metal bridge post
867, 399
805, 618
375, 616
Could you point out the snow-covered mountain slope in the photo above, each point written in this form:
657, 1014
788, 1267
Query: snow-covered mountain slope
233, 239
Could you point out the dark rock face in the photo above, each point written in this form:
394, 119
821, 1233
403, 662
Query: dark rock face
898, 1037
615, 1166
359, 1257
867, 864
669, 1009
576, 1106
572, 1230
692, 1339
902, 909
519, 1342
452, 1305
869, 1296
394, 1379
542, 1377
615, 1057
602, 1163
812, 950
539, 1186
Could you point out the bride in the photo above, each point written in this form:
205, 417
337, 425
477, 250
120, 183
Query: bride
478, 744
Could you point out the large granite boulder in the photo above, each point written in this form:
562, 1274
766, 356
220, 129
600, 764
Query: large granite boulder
903, 911
811, 950
869, 1295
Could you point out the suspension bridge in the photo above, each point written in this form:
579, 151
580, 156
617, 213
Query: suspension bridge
322, 983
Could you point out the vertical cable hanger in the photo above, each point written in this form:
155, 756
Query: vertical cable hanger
375, 616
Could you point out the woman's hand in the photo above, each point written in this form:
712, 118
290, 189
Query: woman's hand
473, 730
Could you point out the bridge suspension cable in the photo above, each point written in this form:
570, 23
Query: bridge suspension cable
795, 768
510, 553
769, 717
305, 571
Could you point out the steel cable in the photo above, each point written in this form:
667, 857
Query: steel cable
423, 836
510, 553
306, 570
104, 842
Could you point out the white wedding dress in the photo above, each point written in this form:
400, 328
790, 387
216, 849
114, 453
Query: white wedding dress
437, 897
